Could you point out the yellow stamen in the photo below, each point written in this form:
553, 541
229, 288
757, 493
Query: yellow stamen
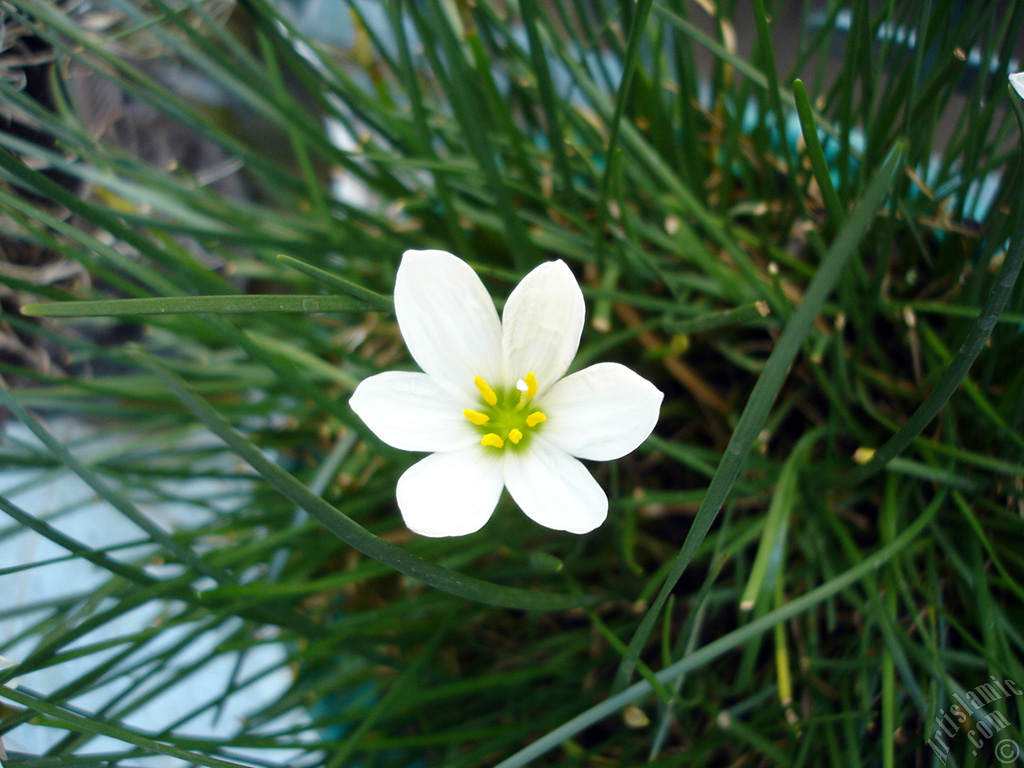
492, 440
476, 417
531, 384
488, 394
515, 436
535, 418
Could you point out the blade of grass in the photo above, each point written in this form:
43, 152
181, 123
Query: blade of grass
815, 153
741, 315
108, 494
958, 310
398, 689
372, 298
777, 519
758, 407
735, 639
962, 362
764, 44
422, 140
470, 111
637, 31
81, 724
76, 548
195, 305
350, 531
551, 104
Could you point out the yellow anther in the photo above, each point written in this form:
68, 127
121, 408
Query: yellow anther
531, 384
476, 417
515, 436
535, 418
492, 440
488, 394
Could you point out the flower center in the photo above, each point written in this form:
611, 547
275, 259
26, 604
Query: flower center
506, 417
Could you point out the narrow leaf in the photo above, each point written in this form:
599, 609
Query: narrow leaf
350, 531
172, 305
758, 407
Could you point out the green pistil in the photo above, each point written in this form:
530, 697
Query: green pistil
509, 421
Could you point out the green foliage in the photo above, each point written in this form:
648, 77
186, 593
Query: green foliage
817, 550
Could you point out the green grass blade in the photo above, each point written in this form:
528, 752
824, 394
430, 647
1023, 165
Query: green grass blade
716, 648
961, 364
777, 520
371, 298
106, 492
196, 305
758, 407
76, 548
637, 31
351, 532
93, 725
819, 165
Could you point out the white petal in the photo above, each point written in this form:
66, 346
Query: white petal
554, 489
541, 325
447, 319
450, 494
600, 413
413, 412
1017, 81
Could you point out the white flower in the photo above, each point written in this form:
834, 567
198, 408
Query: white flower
492, 406
1017, 81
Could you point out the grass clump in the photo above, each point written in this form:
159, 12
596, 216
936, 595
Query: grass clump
802, 222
